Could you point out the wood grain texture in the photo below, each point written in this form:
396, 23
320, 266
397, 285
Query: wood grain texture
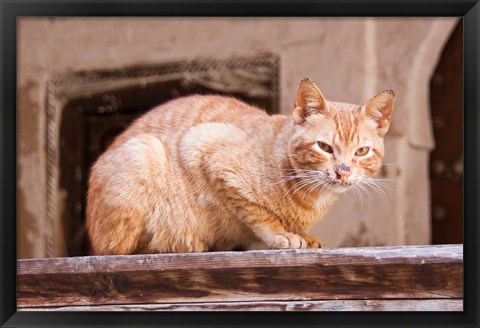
332, 305
411, 272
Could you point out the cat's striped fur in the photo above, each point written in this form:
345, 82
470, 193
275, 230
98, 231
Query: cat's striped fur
204, 173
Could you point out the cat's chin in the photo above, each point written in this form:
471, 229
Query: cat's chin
339, 188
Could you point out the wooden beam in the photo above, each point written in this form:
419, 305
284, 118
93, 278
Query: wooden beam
333, 305
409, 272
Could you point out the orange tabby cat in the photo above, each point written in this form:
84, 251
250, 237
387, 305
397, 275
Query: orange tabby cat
205, 173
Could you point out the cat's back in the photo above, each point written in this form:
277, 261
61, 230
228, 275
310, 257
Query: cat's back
176, 117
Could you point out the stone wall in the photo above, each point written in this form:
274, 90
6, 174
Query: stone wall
350, 59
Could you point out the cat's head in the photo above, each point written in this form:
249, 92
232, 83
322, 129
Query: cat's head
336, 144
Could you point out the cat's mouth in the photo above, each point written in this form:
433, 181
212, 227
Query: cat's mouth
339, 185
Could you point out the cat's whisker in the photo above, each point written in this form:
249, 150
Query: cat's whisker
285, 178
293, 177
297, 185
362, 188
376, 188
359, 194
313, 172
307, 183
366, 178
316, 185
383, 186
384, 181
356, 192
363, 182
389, 164
301, 185
311, 183
379, 183
376, 184
308, 177
309, 171
355, 188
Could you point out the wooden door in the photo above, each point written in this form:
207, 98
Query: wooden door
446, 160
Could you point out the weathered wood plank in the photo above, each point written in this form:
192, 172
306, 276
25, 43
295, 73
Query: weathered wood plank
333, 305
349, 273
260, 258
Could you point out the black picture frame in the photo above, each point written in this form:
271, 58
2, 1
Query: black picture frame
11, 10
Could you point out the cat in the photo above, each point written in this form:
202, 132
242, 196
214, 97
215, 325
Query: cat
211, 173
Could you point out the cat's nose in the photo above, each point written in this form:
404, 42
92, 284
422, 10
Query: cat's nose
342, 171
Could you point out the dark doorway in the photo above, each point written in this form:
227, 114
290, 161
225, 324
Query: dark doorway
446, 160
91, 122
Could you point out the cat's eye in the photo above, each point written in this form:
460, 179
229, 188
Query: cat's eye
325, 147
362, 151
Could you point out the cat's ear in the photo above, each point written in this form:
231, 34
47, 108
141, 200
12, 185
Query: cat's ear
380, 109
309, 101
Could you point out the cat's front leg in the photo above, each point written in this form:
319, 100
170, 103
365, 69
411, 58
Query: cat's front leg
267, 227
225, 162
313, 242
282, 240
286, 240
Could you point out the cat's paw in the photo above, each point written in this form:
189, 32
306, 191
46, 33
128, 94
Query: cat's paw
287, 240
313, 242
189, 245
